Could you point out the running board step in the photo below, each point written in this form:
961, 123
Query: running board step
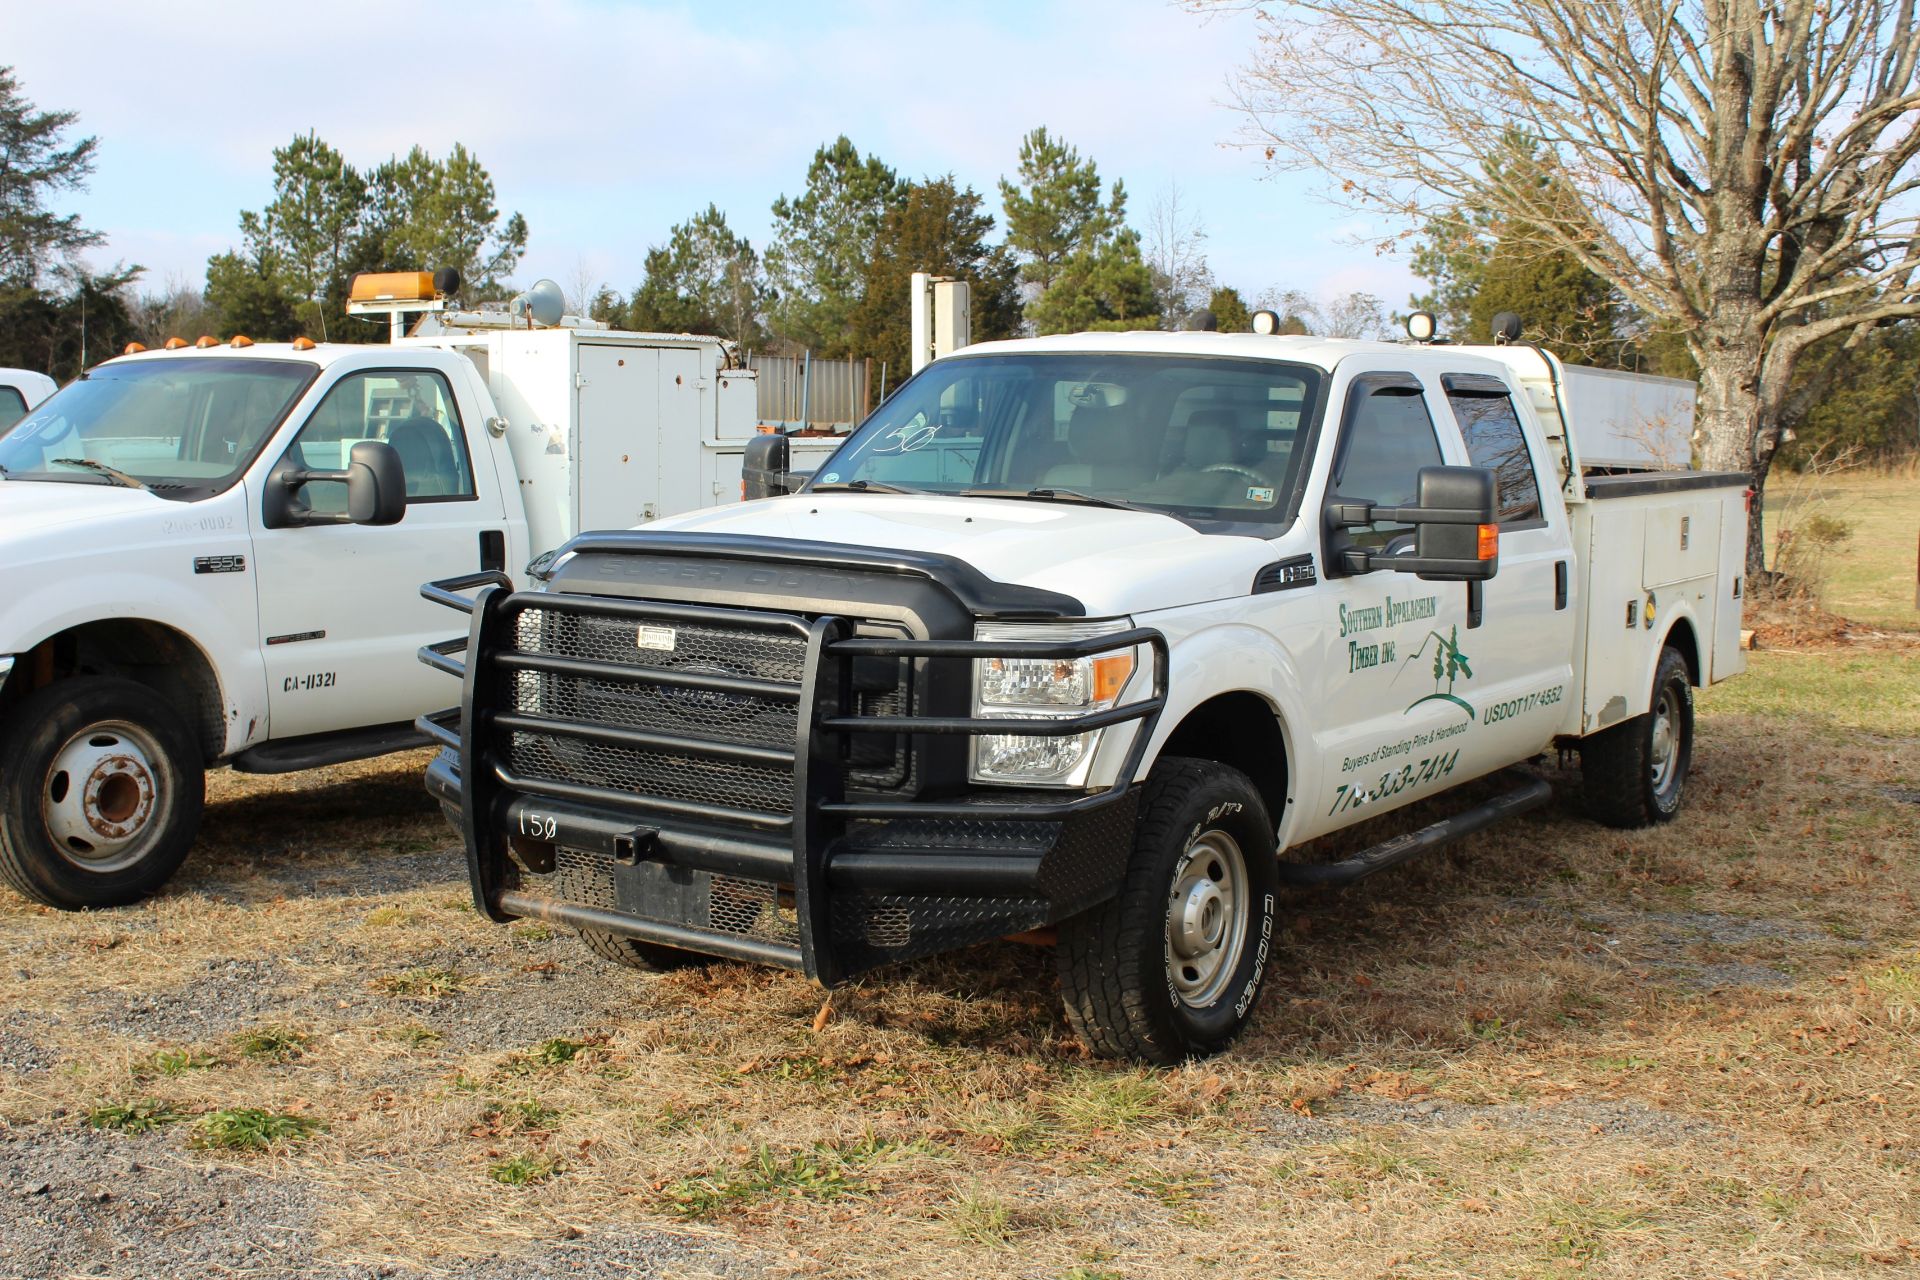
1390, 853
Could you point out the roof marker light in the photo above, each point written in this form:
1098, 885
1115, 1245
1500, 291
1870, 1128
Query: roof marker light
241, 340
207, 340
303, 343
174, 344
133, 348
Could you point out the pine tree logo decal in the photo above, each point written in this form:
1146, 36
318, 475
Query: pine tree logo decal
1449, 666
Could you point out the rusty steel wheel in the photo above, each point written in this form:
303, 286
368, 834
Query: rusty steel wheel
101, 785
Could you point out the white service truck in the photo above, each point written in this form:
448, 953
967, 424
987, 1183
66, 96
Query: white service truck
1082, 634
213, 553
21, 390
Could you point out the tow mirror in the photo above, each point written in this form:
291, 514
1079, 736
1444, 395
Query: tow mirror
765, 467
1455, 539
376, 489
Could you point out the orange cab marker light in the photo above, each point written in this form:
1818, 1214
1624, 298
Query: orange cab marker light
133, 348
303, 343
241, 340
207, 340
1489, 541
174, 344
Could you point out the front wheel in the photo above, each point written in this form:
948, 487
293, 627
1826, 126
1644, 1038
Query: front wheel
1171, 967
101, 787
1634, 774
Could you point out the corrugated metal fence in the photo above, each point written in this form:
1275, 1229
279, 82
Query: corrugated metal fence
822, 394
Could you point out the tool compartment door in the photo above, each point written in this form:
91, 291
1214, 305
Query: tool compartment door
617, 454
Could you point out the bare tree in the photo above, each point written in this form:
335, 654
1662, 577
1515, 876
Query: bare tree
1353, 315
1172, 245
1743, 171
583, 287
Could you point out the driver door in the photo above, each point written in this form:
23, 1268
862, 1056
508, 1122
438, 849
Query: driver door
341, 616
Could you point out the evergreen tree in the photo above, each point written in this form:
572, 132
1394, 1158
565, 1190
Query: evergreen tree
939, 228
823, 239
705, 280
36, 161
1054, 211
1230, 313
1106, 286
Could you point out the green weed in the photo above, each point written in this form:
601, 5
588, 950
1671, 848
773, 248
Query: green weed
252, 1129
524, 1170
143, 1116
421, 984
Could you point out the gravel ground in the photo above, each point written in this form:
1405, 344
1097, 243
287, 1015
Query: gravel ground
81, 1203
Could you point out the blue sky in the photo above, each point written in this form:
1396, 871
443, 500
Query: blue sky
606, 121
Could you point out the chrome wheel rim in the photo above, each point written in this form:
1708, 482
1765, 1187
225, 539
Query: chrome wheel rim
1207, 911
1664, 755
100, 796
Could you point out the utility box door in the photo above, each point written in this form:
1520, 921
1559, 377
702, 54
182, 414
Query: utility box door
679, 442
617, 449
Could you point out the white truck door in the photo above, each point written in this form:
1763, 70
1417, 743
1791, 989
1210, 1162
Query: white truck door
1524, 625
340, 610
1403, 671
620, 430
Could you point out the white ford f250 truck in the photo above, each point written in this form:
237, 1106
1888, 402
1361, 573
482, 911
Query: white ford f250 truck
203, 555
21, 390
1084, 632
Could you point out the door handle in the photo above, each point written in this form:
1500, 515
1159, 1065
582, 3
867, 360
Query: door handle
493, 550
1559, 584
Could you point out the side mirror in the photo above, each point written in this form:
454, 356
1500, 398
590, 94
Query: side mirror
376, 489
765, 467
1456, 537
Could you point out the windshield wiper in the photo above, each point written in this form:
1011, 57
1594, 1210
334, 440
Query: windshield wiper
114, 474
1051, 493
865, 486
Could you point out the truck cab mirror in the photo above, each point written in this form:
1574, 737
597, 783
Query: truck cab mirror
376, 489
765, 469
1456, 536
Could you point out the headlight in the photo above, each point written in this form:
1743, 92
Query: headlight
1045, 688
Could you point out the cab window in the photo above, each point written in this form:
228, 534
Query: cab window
1389, 436
1495, 441
13, 407
412, 411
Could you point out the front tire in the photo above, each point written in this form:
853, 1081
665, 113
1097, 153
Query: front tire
101, 788
1171, 967
1635, 774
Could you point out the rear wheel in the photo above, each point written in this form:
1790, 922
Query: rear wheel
1172, 966
1635, 774
101, 787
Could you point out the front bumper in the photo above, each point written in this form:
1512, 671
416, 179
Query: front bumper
834, 885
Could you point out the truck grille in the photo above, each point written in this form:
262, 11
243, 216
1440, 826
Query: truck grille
687, 781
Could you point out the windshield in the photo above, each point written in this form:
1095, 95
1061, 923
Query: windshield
1200, 438
183, 428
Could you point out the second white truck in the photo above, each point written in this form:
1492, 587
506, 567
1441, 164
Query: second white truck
212, 553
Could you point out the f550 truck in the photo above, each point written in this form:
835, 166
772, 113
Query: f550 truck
1082, 633
213, 552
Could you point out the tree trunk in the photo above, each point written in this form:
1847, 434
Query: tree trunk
1734, 414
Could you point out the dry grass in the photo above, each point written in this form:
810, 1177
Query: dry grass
1870, 580
1551, 1050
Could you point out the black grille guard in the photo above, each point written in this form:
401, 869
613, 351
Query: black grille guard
820, 814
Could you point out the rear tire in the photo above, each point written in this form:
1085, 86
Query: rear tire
635, 954
1171, 967
1635, 774
101, 788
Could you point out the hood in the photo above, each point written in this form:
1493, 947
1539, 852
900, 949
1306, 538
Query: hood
1113, 562
29, 507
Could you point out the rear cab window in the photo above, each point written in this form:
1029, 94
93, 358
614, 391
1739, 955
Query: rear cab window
1490, 427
